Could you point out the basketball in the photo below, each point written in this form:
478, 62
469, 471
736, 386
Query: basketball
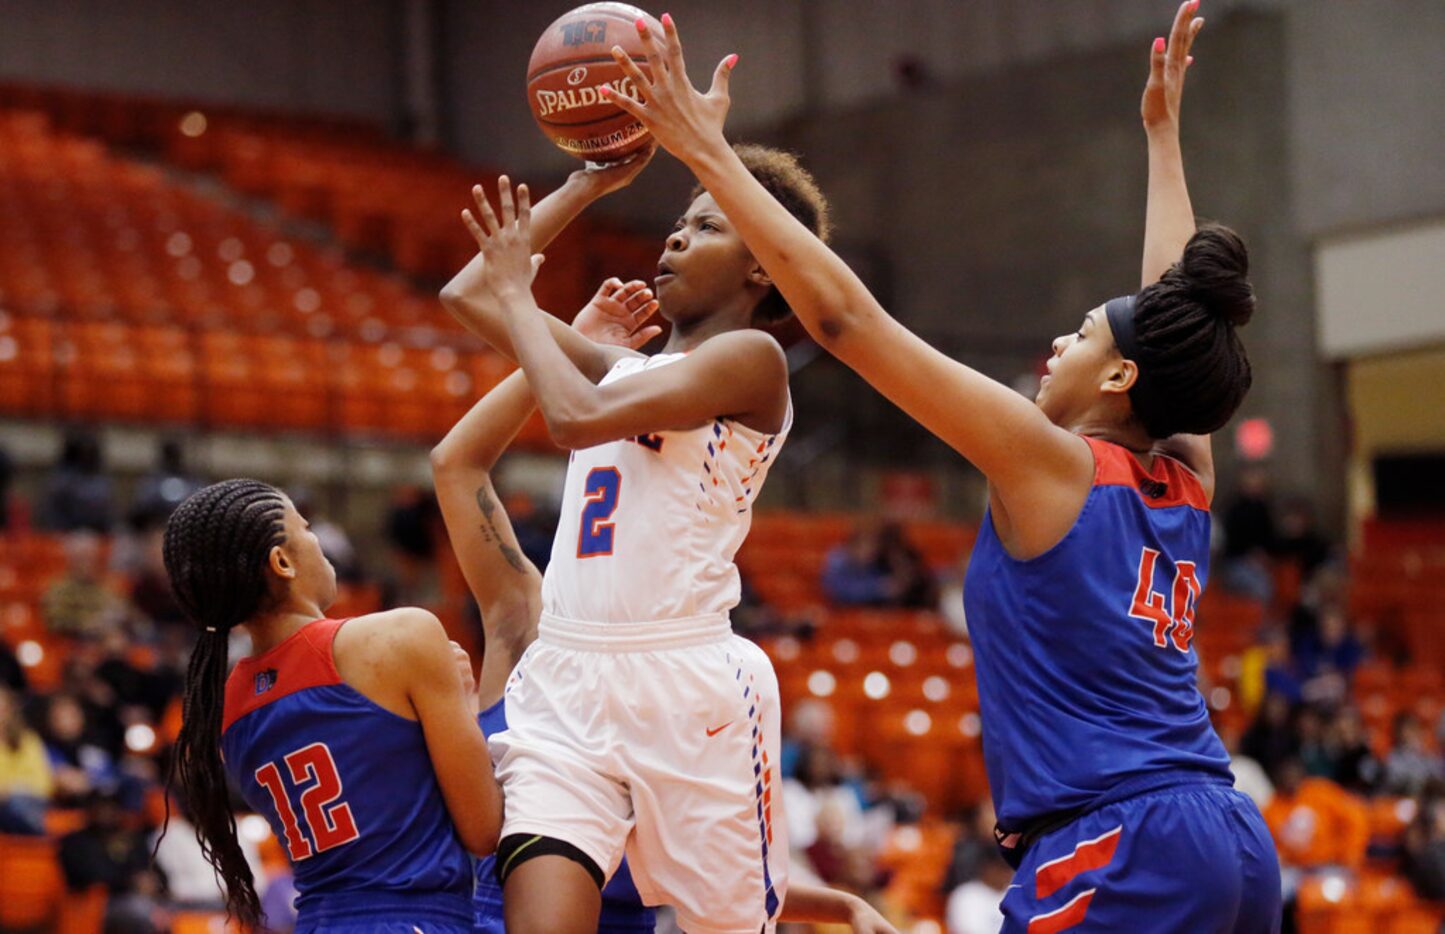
570, 63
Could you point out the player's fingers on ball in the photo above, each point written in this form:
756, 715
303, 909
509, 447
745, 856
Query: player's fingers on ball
629, 68
654, 50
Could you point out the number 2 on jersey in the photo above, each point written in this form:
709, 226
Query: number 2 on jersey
1175, 625
603, 486
329, 821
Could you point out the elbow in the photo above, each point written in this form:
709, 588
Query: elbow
572, 428
483, 840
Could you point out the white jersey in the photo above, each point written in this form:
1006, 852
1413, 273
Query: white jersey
650, 525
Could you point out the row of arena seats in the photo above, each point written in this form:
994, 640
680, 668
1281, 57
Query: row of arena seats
152, 374
379, 195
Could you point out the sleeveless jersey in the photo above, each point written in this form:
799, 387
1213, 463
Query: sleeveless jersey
346, 785
1086, 672
649, 525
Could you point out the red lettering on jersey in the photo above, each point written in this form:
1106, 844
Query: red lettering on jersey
270, 778
331, 823
1186, 592
1148, 605
1175, 625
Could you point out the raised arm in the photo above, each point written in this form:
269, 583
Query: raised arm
464, 298
1001, 432
741, 374
1169, 216
507, 586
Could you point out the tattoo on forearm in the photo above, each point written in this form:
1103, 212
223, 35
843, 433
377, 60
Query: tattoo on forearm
489, 531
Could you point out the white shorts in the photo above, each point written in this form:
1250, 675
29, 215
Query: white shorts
660, 739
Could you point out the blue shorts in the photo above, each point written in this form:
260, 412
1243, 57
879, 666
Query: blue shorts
1194, 859
385, 913
622, 908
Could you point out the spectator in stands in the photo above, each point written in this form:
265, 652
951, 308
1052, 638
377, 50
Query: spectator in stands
1249, 536
162, 490
7, 474
1424, 850
1298, 538
78, 494
1271, 738
1315, 823
150, 590
911, 578
1411, 768
877, 566
1250, 777
26, 783
825, 816
1309, 729
106, 852
79, 603
973, 847
1353, 764
12, 673
810, 723
190, 880
753, 618
853, 574
412, 528
1328, 656
80, 765
973, 907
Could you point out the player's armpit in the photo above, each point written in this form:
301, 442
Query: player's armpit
422, 656
741, 375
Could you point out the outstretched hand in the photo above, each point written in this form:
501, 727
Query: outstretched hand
618, 314
507, 262
683, 120
1168, 61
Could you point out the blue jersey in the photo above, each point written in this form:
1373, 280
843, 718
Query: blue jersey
347, 786
622, 908
1086, 673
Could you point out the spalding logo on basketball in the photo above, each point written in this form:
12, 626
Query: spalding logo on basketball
569, 65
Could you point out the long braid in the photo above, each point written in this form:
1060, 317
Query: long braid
217, 544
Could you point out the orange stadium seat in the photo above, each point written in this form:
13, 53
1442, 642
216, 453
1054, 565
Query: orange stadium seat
31, 887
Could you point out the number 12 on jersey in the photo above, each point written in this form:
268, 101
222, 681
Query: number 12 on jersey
603, 486
328, 819
1175, 625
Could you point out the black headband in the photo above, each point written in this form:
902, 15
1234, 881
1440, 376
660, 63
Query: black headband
1120, 312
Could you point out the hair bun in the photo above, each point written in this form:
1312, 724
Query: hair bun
1215, 269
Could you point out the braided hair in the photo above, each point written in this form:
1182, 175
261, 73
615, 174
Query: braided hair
217, 544
1186, 326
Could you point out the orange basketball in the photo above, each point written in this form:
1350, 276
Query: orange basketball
571, 61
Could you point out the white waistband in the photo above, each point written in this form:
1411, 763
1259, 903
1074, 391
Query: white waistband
633, 637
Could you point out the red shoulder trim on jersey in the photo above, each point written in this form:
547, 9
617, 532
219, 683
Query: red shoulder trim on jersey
1170, 483
302, 661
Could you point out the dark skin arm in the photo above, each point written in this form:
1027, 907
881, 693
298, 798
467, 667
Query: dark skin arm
740, 375
506, 586
403, 661
1169, 217
461, 296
